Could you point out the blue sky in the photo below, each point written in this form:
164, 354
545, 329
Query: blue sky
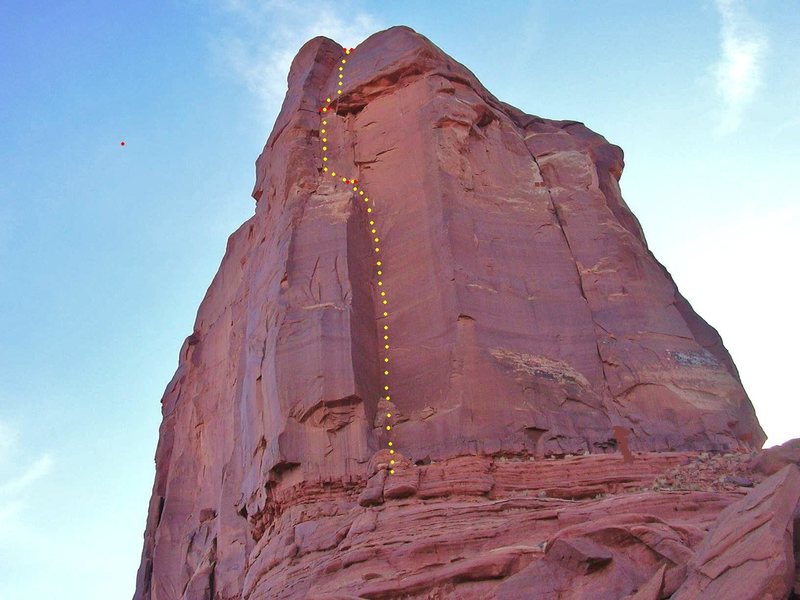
106, 252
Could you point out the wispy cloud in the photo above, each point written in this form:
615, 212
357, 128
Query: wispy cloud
14, 481
258, 48
737, 73
19, 483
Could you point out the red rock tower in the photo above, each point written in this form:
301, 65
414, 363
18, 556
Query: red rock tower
528, 319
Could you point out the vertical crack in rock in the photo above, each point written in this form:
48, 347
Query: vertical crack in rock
579, 277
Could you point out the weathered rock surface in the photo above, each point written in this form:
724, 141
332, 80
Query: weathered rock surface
528, 320
774, 459
582, 527
749, 554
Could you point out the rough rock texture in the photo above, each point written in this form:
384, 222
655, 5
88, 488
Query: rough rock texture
528, 320
774, 459
754, 536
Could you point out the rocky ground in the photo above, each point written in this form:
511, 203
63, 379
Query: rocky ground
666, 525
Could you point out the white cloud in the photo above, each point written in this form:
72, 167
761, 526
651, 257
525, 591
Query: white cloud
18, 484
266, 36
737, 73
15, 482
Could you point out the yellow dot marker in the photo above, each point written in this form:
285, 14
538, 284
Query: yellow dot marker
389, 415
378, 263
386, 387
386, 372
327, 99
324, 158
390, 443
391, 462
385, 314
372, 222
324, 168
386, 346
324, 147
388, 427
386, 359
338, 91
388, 397
386, 327
386, 302
369, 210
380, 272
391, 451
391, 471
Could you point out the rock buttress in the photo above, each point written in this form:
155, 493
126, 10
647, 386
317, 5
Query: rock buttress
528, 317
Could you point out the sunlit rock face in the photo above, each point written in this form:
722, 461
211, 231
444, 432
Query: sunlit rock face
527, 320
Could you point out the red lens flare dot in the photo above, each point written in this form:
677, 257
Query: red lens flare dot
122, 143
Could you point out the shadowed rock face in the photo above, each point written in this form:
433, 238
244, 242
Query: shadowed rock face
528, 319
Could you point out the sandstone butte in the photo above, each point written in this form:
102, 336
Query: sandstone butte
565, 426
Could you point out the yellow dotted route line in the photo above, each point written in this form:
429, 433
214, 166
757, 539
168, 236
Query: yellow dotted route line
359, 193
